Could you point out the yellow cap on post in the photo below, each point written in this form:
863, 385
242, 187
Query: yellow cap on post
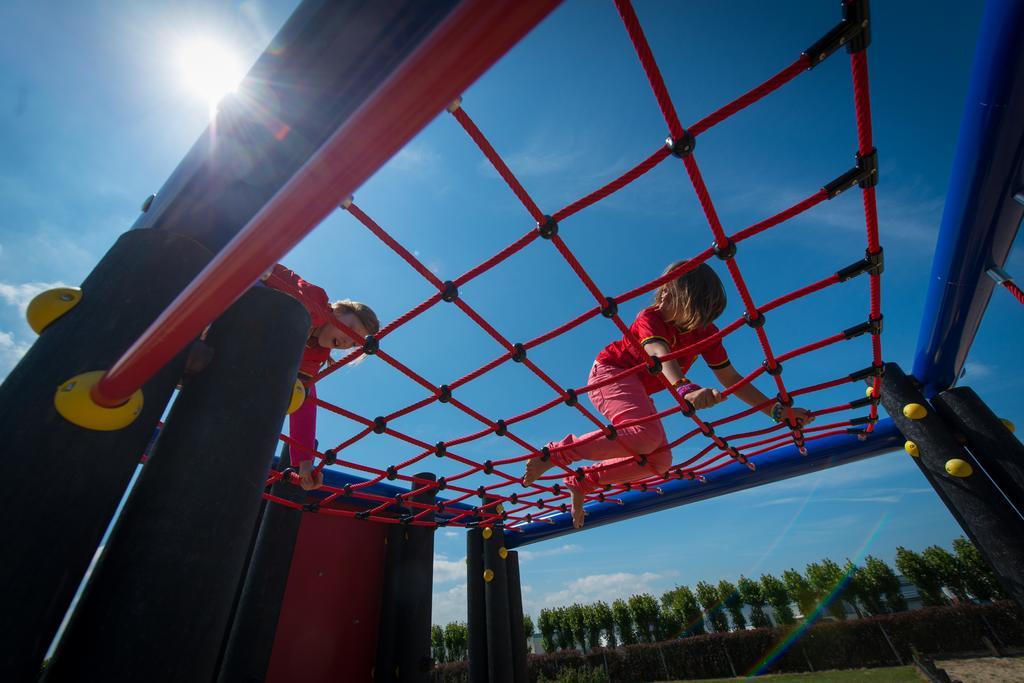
488, 575
47, 306
502, 552
959, 468
915, 411
1009, 424
73, 401
487, 532
298, 396
869, 392
911, 447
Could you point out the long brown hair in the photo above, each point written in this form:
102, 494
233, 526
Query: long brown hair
692, 300
365, 314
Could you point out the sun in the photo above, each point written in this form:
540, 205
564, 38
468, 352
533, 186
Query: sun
209, 70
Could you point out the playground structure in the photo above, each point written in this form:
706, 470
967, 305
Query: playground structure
228, 574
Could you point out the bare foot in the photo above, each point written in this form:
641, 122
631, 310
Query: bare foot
577, 508
535, 467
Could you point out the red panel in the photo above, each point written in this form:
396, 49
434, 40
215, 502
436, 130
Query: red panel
327, 631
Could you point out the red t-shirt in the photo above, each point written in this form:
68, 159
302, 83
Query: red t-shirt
648, 326
316, 302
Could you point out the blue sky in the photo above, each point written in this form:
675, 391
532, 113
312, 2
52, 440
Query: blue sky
95, 113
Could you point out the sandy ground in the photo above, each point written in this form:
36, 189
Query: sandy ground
984, 669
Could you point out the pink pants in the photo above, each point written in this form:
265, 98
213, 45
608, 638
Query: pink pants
619, 401
302, 428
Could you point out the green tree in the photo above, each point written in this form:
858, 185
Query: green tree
752, 594
592, 626
871, 579
566, 638
979, 578
644, 609
731, 598
574, 617
456, 641
921, 574
437, 643
712, 604
606, 619
828, 581
778, 597
947, 567
624, 622
801, 590
685, 610
548, 628
527, 626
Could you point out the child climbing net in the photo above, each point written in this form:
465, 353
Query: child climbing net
632, 468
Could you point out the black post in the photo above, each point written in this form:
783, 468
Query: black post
62, 483
250, 639
414, 657
515, 613
158, 605
986, 516
990, 441
476, 606
499, 635
388, 644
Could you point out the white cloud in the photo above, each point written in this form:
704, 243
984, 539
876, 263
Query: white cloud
11, 352
451, 534
607, 587
450, 605
975, 370
568, 548
448, 570
20, 295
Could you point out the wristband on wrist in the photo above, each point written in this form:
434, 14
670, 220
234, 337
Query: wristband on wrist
685, 387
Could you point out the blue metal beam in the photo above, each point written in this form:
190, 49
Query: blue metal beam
981, 216
781, 463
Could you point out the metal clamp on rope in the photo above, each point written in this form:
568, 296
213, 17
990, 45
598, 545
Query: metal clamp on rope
853, 32
872, 264
864, 174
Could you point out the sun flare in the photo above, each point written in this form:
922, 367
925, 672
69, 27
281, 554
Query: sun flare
209, 70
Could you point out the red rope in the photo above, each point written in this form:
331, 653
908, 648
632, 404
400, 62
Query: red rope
1013, 289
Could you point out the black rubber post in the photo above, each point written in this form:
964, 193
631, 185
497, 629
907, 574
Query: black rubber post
990, 441
414, 657
253, 629
157, 607
476, 606
987, 518
515, 613
62, 483
388, 644
499, 635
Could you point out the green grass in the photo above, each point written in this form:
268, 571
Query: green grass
899, 674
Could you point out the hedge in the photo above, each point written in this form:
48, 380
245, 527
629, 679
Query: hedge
884, 640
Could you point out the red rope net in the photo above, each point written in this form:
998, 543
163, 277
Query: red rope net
505, 499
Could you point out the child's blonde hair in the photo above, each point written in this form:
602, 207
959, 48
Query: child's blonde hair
365, 314
692, 300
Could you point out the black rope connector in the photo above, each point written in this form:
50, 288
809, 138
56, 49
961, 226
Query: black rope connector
642, 461
444, 393
556, 489
874, 326
611, 308
627, 486
788, 402
681, 147
707, 429
563, 507
514, 498
405, 519
529, 517
331, 456
863, 420
440, 450
864, 174
488, 467
450, 292
872, 264
580, 474
600, 497
688, 410
362, 514
773, 370
549, 228
370, 345
481, 491
442, 484
643, 487
610, 432
870, 371
311, 507
500, 429
654, 365
392, 473
347, 489
379, 425
725, 251
545, 454
853, 32
399, 498
864, 402
570, 399
755, 322
518, 352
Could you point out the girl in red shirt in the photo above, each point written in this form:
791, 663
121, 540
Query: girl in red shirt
683, 314
323, 337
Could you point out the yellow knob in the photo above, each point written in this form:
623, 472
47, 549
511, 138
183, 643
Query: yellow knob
487, 532
1009, 425
49, 305
502, 552
73, 401
915, 411
911, 447
298, 396
488, 575
869, 392
499, 508
959, 468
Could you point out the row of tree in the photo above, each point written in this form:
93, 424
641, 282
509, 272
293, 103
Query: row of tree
824, 587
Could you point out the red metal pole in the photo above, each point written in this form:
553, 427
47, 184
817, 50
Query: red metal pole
465, 45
